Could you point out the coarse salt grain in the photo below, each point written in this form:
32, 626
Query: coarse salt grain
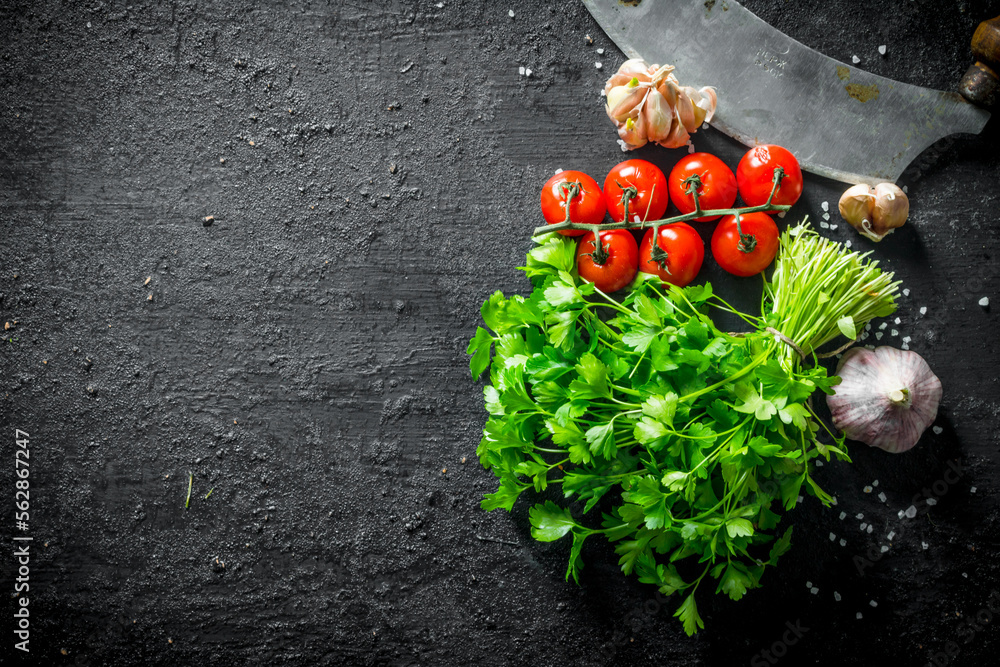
809, 584
881, 49
520, 70
875, 483
972, 489
905, 189
906, 291
826, 216
801, 499
559, 170
824, 225
904, 346
870, 528
847, 243
858, 616
901, 514
598, 65
898, 321
814, 590
867, 489
894, 332
884, 549
911, 512
860, 516
984, 302
510, 13
819, 464
878, 335
843, 515
924, 545
833, 228
883, 325
923, 310
864, 525
906, 339
825, 206
937, 430
891, 535
932, 501
881, 497
965, 574
600, 52
832, 537
843, 543
873, 603
855, 60
527, 72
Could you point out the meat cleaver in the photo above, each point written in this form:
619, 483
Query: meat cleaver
841, 122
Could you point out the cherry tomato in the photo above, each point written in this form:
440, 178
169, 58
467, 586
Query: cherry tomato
587, 207
615, 267
751, 253
684, 249
718, 185
651, 198
756, 171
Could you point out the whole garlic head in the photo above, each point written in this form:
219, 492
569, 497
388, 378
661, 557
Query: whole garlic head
647, 103
886, 398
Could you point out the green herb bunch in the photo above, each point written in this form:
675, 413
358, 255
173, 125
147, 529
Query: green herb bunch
690, 441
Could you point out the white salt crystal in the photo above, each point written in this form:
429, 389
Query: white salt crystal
833, 228
937, 430
819, 464
897, 320
932, 502
558, 171
906, 339
809, 584
864, 525
984, 302
836, 596
883, 325
894, 332
891, 535
906, 291
972, 489
855, 60
847, 243
826, 216
520, 70
825, 206
801, 499
510, 13
843, 543
823, 225
875, 483
923, 310
905, 189
901, 514
911, 512
814, 590
598, 65
881, 497
878, 335
867, 489
860, 516
527, 72
858, 616
871, 528
881, 49
904, 346
832, 537
884, 548
965, 574
843, 515
924, 545
873, 603
600, 52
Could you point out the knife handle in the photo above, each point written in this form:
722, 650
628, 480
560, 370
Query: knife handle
981, 83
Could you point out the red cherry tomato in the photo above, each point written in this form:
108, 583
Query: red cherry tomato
587, 207
718, 185
685, 252
755, 172
751, 253
651, 198
615, 267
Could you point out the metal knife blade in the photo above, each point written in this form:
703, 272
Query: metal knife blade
840, 121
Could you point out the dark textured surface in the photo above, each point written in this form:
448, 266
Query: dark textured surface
372, 170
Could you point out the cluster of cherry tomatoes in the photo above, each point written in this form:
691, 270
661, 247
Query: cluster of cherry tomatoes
743, 249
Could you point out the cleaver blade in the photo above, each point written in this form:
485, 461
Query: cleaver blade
841, 122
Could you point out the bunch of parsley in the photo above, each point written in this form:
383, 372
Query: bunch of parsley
689, 439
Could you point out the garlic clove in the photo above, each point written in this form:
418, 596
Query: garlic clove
658, 115
857, 206
886, 398
892, 208
623, 100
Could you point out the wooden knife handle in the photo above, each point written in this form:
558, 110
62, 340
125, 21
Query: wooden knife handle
981, 83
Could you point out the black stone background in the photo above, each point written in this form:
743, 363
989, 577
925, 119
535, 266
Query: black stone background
373, 170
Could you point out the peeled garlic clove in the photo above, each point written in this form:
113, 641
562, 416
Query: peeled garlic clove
886, 398
857, 206
892, 208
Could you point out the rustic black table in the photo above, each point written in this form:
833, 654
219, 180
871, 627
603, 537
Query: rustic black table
243, 246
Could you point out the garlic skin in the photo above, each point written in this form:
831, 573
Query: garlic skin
886, 398
857, 206
892, 208
647, 103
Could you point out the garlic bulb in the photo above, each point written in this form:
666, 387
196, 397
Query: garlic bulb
886, 398
647, 103
875, 214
